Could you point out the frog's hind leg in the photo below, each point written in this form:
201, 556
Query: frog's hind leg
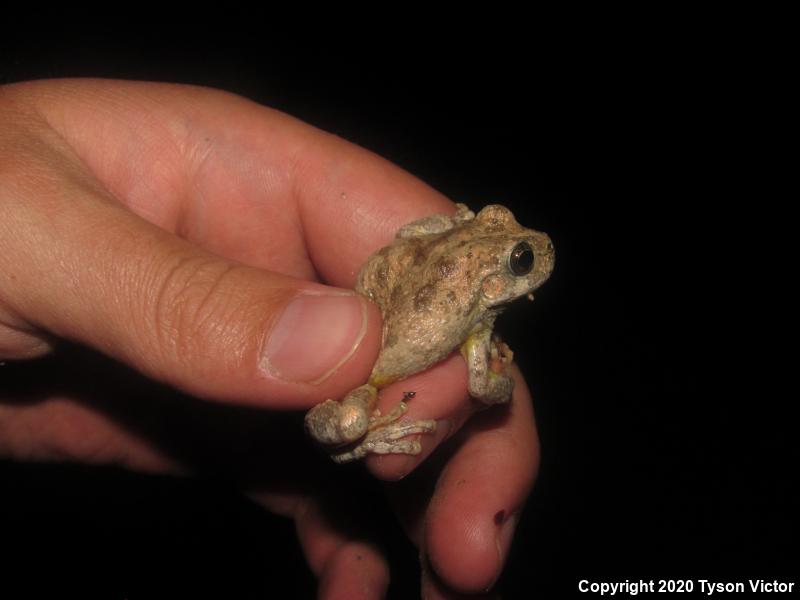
358, 428
385, 436
335, 423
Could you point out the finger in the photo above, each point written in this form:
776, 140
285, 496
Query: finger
471, 518
434, 589
242, 180
346, 568
375, 198
82, 267
60, 429
20, 341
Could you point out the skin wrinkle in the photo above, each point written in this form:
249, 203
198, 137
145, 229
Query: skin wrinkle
13, 323
299, 172
242, 343
199, 308
196, 150
70, 148
183, 224
64, 120
208, 306
172, 313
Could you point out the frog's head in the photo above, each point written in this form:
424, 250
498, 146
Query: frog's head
525, 257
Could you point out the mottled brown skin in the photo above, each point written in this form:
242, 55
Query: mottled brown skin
440, 285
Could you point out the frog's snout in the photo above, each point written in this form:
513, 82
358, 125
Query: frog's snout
545, 257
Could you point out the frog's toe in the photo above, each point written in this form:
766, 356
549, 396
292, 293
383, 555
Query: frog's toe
388, 440
378, 420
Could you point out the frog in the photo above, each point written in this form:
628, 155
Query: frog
439, 285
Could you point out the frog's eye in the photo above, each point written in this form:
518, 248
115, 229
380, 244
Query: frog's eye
520, 261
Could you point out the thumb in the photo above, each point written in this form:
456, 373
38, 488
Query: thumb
80, 266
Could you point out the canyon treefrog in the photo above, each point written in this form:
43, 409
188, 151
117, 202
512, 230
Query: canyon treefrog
439, 285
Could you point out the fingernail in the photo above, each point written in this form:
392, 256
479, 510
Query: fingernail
505, 533
314, 336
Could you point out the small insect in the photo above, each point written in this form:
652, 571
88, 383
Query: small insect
409, 395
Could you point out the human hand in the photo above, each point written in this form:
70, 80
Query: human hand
196, 237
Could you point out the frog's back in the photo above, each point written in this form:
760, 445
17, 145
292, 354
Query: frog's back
422, 298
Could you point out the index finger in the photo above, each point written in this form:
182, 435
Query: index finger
242, 180
352, 202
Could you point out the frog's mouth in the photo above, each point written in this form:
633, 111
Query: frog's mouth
502, 305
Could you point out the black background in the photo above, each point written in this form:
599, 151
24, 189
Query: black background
666, 439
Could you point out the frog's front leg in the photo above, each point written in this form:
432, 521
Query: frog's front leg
436, 223
487, 361
355, 428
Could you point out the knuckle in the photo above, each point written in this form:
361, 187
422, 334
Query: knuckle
198, 310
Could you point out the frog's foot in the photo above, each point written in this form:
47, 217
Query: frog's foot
500, 356
488, 361
385, 436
